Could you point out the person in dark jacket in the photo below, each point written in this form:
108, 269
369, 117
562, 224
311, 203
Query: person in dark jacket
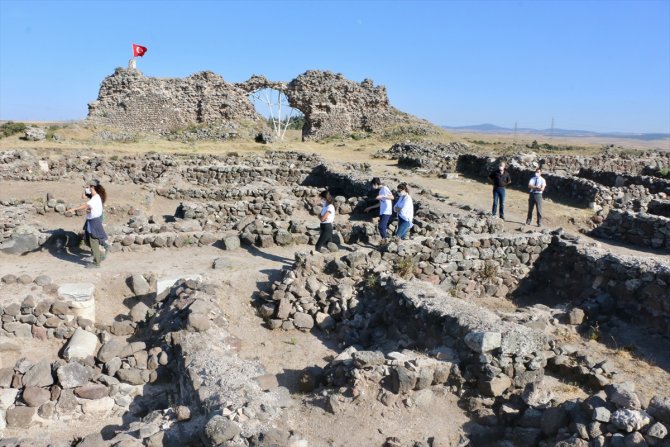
93, 230
500, 179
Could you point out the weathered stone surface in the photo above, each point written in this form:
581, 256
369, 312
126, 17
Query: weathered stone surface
267, 381
139, 312
303, 321
659, 407
91, 391
20, 417
81, 345
364, 359
139, 284
110, 350
24, 239
34, 396
122, 328
198, 322
658, 431
132, 376
7, 397
39, 375
496, 386
576, 316
72, 375
67, 402
630, 420
98, 406
76, 291
483, 341
402, 380
231, 242
220, 429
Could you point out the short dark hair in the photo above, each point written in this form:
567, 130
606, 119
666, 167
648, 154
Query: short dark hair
376, 181
403, 187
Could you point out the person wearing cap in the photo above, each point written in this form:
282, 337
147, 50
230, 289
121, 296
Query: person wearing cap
384, 198
94, 232
500, 179
536, 186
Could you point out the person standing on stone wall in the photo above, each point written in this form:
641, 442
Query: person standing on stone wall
327, 217
500, 179
94, 233
384, 197
405, 209
535, 188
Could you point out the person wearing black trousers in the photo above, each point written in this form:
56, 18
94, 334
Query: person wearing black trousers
327, 217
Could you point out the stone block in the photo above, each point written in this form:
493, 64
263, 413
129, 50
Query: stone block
81, 345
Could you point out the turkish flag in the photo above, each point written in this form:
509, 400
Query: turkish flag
139, 50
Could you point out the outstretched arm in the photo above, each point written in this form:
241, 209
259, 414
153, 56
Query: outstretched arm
83, 206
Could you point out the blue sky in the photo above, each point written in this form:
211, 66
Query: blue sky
593, 65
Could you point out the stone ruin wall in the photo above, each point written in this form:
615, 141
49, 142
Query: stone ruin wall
130, 101
331, 104
628, 204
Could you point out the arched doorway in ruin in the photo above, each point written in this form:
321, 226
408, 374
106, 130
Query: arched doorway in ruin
273, 105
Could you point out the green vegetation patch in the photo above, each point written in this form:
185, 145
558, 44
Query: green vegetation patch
11, 128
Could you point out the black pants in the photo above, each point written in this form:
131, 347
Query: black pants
325, 236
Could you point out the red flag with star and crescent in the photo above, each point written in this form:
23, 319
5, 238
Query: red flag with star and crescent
139, 50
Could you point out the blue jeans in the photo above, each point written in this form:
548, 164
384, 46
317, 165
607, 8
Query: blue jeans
383, 223
499, 194
403, 227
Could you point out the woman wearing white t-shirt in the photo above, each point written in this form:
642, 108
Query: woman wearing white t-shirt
384, 197
405, 209
327, 217
93, 229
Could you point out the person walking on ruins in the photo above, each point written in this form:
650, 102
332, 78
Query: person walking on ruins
535, 188
405, 209
94, 233
384, 197
327, 217
500, 179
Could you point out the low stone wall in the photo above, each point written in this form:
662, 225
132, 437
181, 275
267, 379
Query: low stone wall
632, 288
654, 185
647, 230
12, 214
659, 207
282, 167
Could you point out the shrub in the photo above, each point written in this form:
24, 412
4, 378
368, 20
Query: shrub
10, 128
405, 267
51, 131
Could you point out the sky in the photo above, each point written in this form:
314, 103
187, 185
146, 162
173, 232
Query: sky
588, 65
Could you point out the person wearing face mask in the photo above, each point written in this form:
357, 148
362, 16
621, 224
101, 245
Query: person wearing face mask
500, 179
535, 188
94, 232
326, 217
405, 209
384, 198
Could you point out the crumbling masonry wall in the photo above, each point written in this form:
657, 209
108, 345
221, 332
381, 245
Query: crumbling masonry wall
331, 104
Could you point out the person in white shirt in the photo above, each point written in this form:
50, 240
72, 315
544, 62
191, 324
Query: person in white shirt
94, 232
535, 188
327, 217
405, 209
384, 197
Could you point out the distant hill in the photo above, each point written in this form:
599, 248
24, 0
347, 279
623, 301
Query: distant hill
493, 129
